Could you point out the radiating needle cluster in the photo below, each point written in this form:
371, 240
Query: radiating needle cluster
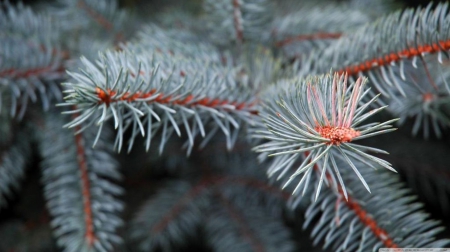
315, 121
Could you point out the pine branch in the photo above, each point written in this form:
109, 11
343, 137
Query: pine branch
250, 230
422, 40
151, 92
96, 15
419, 32
174, 43
315, 120
386, 218
238, 20
427, 99
260, 68
31, 61
168, 219
315, 27
88, 14
77, 187
180, 207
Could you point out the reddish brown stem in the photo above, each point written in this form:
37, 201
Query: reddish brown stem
397, 56
363, 216
85, 187
368, 221
40, 71
190, 100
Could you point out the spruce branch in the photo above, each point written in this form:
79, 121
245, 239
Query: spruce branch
98, 11
388, 217
238, 20
315, 27
151, 92
77, 186
91, 25
316, 120
250, 230
372, 51
31, 62
167, 221
88, 14
174, 42
426, 100
216, 202
421, 42
260, 68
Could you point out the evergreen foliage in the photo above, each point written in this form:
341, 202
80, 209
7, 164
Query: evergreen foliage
319, 128
77, 187
300, 92
366, 222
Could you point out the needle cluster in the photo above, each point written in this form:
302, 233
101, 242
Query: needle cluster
314, 122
